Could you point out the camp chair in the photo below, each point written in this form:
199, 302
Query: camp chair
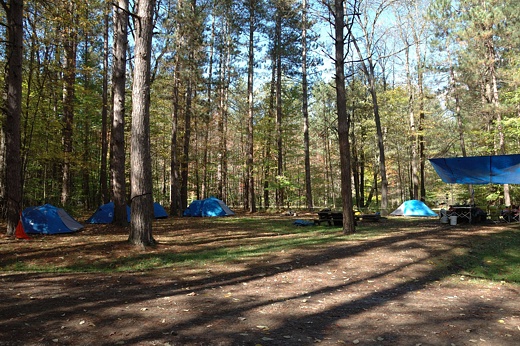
510, 214
494, 214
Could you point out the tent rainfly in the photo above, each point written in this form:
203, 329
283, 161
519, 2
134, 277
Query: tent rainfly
498, 169
158, 211
105, 213
413, 208
208, 207
48, 219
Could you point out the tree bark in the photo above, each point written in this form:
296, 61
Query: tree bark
413, 130
69, 80
343, 120
117, 139
13, 113
368, 69
175, 196
251, 203
420, 137
279, 134
305, 110
184, 164
140, 157
103, 175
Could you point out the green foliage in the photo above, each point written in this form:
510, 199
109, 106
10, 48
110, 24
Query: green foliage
456, 34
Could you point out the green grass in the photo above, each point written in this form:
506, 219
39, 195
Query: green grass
495, 256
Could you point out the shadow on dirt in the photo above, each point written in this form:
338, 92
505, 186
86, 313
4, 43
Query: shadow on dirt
397, 289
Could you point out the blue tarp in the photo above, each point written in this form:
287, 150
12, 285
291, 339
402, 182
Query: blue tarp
208, 207
48, 219
303, 223
498, 169
413, 208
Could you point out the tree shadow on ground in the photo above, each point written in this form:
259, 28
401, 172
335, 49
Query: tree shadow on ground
397, 289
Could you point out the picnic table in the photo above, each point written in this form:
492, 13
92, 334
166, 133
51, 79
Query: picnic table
336, 217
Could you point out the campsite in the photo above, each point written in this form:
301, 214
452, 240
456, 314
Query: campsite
293, 173
260, 280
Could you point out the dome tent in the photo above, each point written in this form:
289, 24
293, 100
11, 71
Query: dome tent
208, 207
158, 211
48, 219
413, 208
105, 213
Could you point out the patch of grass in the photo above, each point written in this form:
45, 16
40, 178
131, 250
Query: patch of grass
496, 257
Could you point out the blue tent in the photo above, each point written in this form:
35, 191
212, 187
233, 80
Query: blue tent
48, 219
208, 207
413, 208
158, 211
194, 209
105, 214
498, 169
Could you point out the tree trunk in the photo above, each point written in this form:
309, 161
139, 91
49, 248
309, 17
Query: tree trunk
279, 133
13, 113
69, 81
103, 180
413, 131
305, 96
368, 69
141, 168
491, 57
420, 137
343, 119
250, 110
268, 137
207, 117
175, 196
221, 171
186, 146
117, 139
355, 165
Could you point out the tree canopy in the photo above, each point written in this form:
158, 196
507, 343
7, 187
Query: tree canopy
227, 111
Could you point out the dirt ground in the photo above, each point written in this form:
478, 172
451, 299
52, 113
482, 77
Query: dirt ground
387, 290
